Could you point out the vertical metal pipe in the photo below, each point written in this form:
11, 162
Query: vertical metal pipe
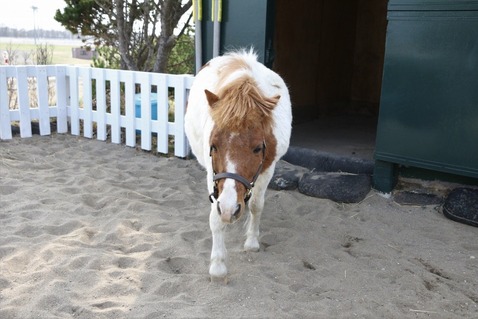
197, 12
216, 17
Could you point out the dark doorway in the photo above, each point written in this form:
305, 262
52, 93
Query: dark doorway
330, 54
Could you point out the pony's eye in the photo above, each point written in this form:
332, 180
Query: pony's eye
212, 149
257, 149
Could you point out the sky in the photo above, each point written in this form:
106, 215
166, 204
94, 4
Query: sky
19, 14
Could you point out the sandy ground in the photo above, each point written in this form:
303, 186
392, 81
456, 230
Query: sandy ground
95, 230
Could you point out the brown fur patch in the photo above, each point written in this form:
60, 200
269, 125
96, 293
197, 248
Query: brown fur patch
240, 107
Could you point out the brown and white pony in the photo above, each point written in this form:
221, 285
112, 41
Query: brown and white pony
238, 122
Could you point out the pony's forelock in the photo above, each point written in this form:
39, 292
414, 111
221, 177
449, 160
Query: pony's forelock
241, 104
240, 101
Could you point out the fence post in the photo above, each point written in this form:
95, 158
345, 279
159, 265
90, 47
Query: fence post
163, 112
99, 74
23, 102
61, 99
145, 82
115, 106
74, 105
5, 123
87, 102
180, 98
129, 87
42, 96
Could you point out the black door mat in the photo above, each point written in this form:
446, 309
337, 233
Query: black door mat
461, 205
417, 198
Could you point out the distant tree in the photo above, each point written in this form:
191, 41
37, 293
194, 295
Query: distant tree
106, 57
43, 54
142, 30
181, 60
41, 33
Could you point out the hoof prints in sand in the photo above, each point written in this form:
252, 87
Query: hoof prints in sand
95, 230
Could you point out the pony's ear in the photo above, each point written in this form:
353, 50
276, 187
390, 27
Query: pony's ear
271, 102
275, 99
211, 98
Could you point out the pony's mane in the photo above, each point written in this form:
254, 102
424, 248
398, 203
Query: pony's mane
241, 102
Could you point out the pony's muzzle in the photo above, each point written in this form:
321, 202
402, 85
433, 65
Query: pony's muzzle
229, 215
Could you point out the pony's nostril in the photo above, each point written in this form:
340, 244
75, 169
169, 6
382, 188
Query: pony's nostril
218, 208
237, 210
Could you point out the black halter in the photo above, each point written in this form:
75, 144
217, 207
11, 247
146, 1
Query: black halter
239, 178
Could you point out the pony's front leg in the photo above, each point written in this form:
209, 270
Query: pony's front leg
256, 206
218, 252
252, 234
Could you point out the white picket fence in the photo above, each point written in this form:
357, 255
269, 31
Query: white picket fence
73, 104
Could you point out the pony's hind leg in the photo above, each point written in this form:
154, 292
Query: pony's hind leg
217, 267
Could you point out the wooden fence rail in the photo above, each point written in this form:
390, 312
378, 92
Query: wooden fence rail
94, 102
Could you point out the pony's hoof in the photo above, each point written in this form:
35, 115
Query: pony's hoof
217, 270
252, 245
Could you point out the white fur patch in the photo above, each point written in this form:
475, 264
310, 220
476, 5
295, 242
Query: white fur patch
228, 197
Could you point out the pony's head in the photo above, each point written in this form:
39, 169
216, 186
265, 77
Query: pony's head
242, 143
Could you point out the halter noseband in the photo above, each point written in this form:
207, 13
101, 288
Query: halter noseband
239, 178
